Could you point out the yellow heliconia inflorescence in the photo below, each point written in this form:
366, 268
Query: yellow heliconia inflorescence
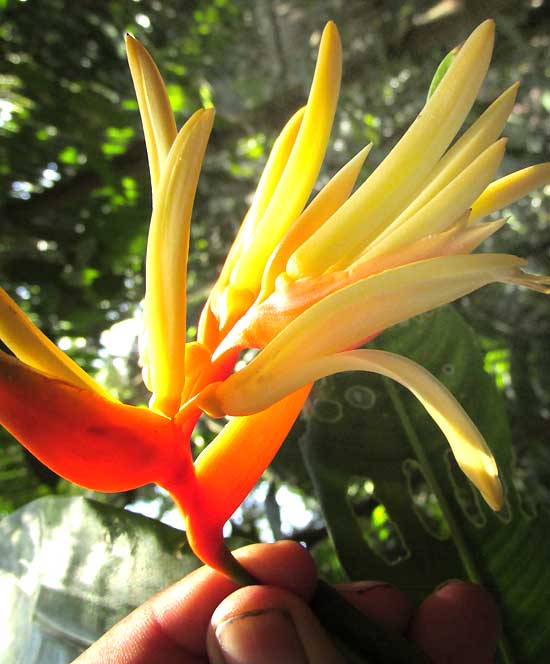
398, 246
306, 281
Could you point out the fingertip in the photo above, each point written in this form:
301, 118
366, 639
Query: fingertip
184, 610
285, 564
269, 625
457, 623
382, 602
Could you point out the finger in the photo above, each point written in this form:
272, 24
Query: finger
457, 623
381, 602
138, 639
269, 625
191, 604
179, 616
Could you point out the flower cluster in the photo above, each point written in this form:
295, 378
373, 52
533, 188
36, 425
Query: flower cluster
308, 283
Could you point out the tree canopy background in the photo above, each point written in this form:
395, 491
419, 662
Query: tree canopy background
76, 201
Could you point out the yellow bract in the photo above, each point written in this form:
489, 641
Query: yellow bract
302, 168
274, 168
397, 180
510, 188
33, 347
467, 444
346, 318
158, 121
445, 207
468, 147
168, 246
328, 200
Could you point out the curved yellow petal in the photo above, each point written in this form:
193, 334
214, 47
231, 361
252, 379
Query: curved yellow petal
167, 249
445, 207
157, 118
327, 201
468, 445
274, 168
271, 175
34, 348
302, 168
510, 188
397, 180
469, 146
345, 319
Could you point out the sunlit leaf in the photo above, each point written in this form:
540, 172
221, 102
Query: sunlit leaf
383, 435
70, 568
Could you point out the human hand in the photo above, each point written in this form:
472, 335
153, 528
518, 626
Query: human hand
206, 618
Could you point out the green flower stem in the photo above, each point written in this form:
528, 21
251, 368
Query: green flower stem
239, 574
368, 641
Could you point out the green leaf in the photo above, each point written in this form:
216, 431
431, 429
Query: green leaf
70, 568
363, 431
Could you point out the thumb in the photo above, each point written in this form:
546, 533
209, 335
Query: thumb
269, 625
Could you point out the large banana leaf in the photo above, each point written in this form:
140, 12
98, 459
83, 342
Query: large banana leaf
361, 427
70, 568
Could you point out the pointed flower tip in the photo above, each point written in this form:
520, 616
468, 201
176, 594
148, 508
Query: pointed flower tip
135, 50
488, 27
485, 33
209, 113
500, 149
332, 35
205, 120
493, 494
361, 156
201, 120
131, 43
484, 474
510, 94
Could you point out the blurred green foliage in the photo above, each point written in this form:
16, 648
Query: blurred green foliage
75, 198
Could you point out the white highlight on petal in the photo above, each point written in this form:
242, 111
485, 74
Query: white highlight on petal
398, 179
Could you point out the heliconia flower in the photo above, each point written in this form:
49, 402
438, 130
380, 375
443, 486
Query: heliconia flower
307, 283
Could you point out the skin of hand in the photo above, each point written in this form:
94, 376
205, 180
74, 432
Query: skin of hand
207, 619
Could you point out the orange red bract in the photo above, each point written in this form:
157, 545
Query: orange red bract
305, 283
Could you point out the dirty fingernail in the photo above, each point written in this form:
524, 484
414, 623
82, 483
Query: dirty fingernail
268, 636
